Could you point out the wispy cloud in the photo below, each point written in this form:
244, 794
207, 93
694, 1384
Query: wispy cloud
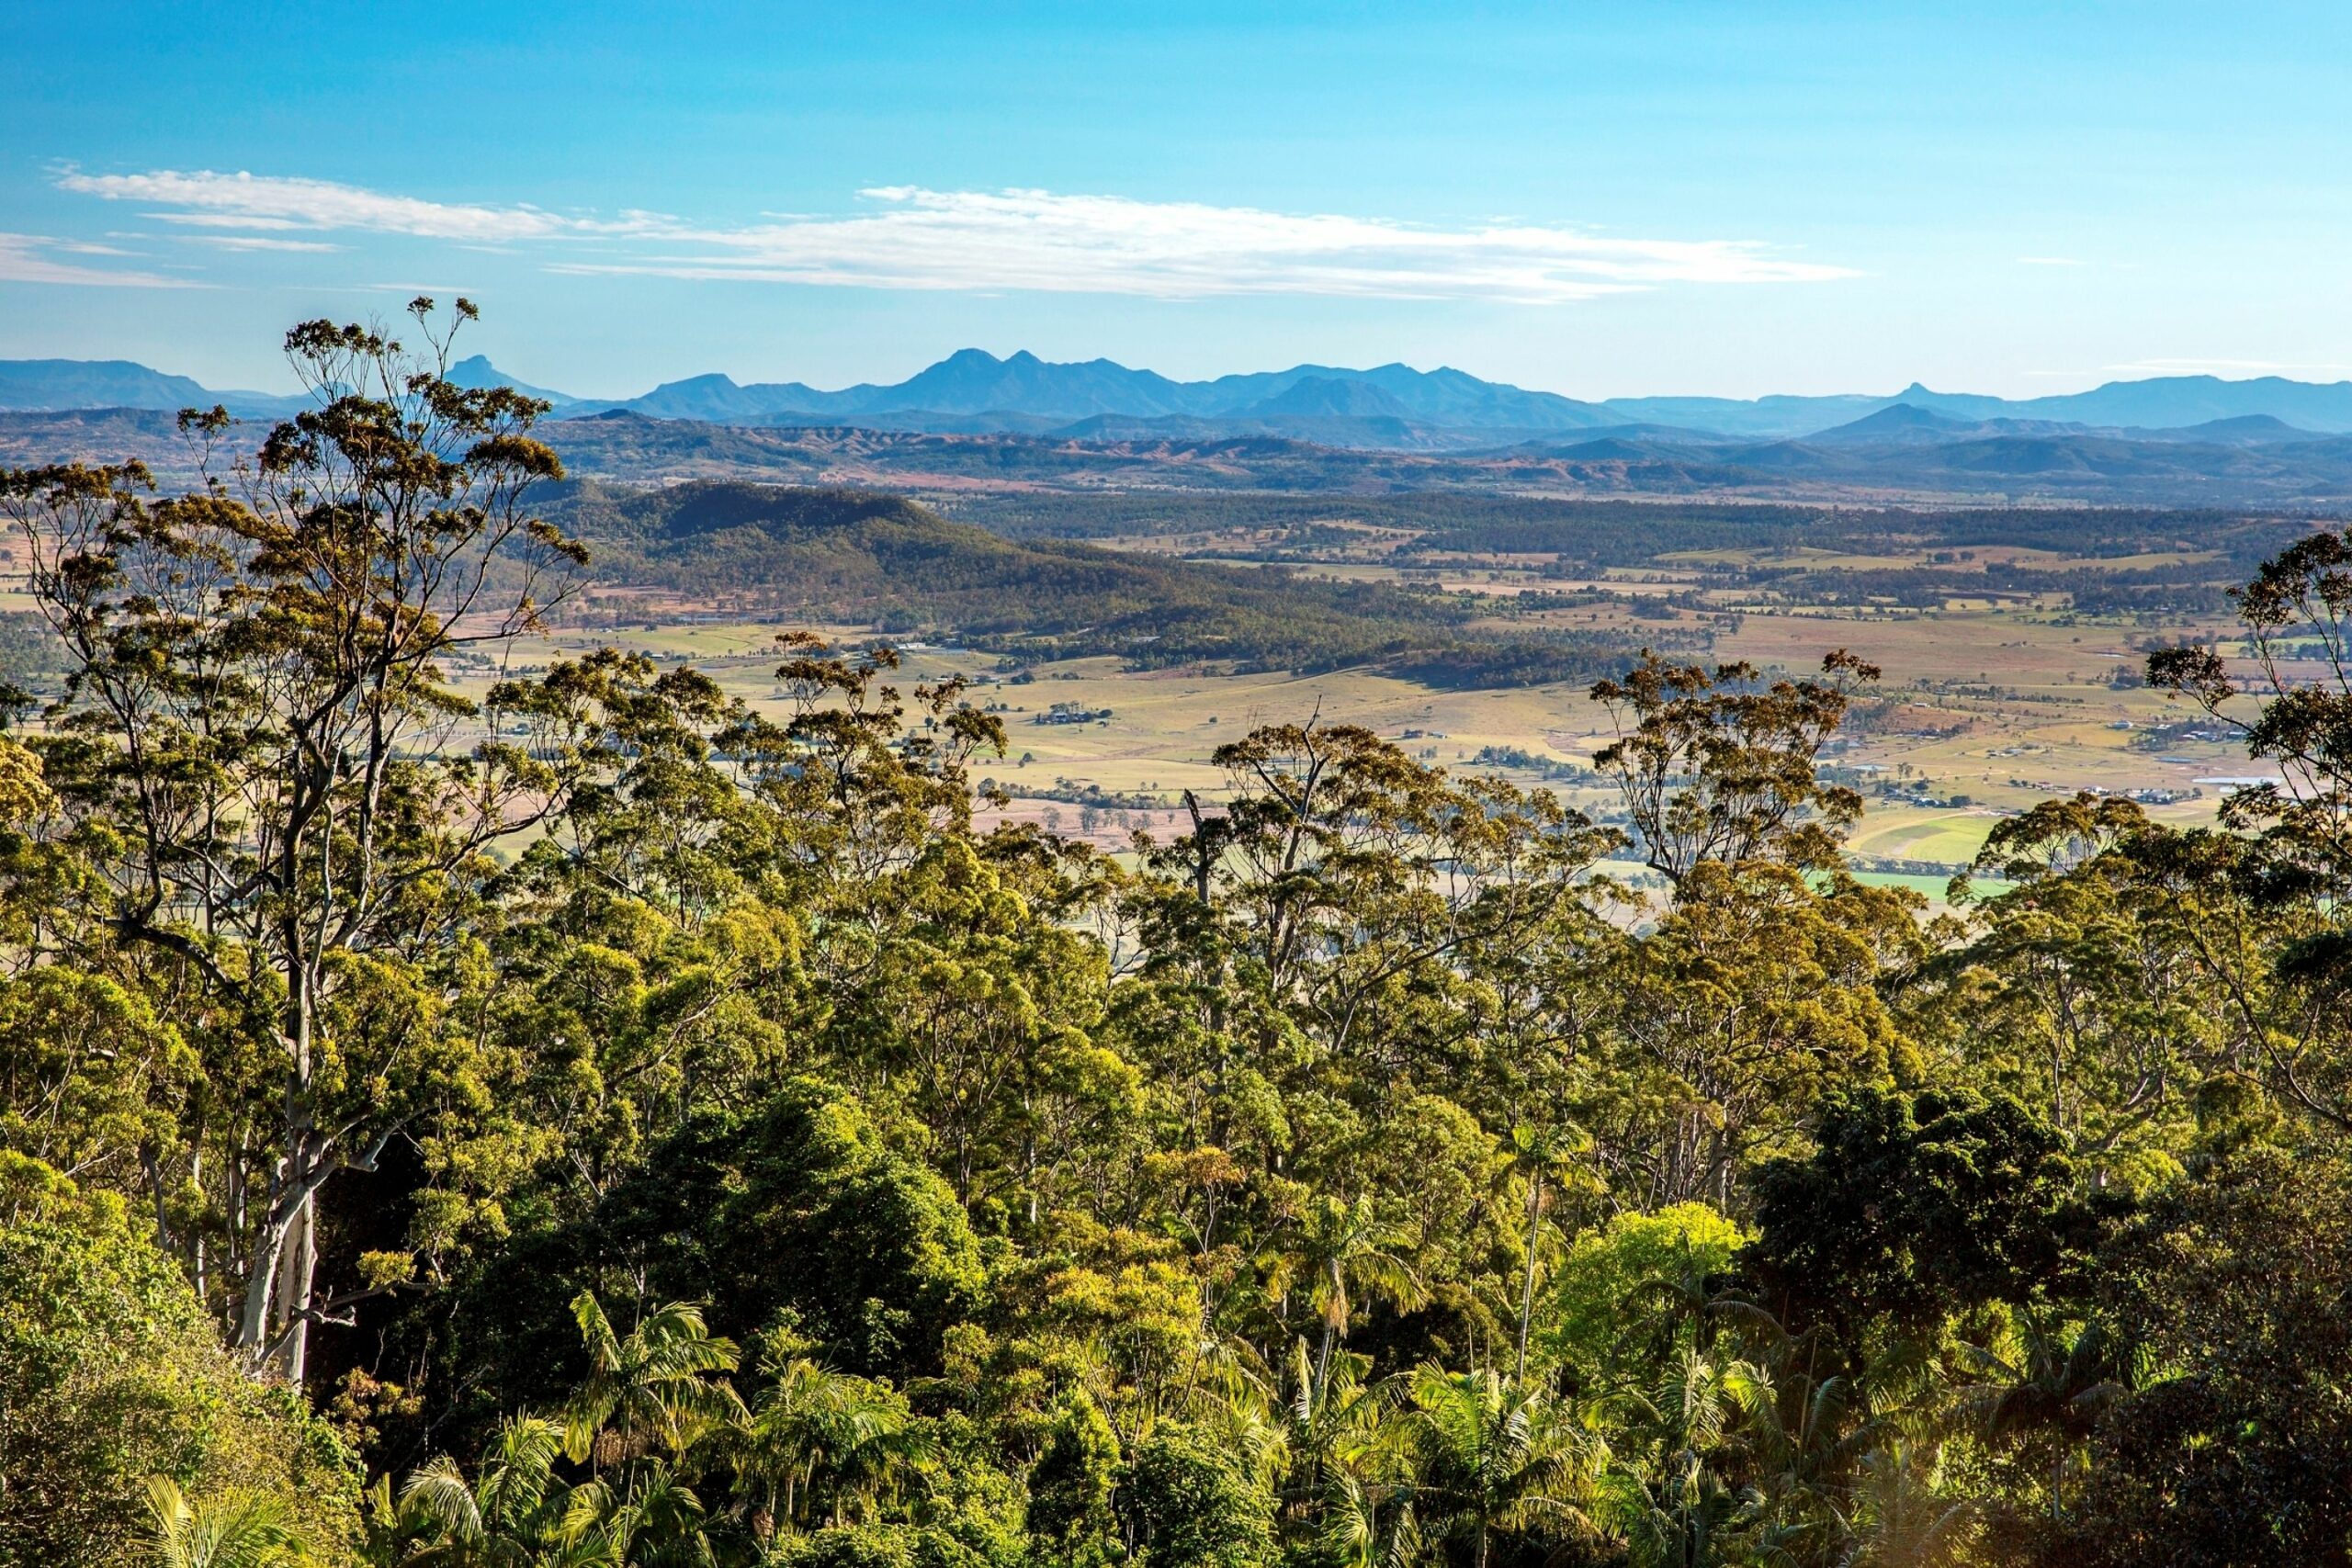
32, 258
2048, 261
260, 201
909, 237
923, 238
264, 243
2230, 367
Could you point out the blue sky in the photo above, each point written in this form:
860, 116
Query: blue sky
1601, 200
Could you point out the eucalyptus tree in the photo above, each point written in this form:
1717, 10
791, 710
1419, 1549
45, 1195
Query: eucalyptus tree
279, 783
1357, 885
1715, 765
2099, 976
2288, 695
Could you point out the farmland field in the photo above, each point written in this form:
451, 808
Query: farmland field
1990, 700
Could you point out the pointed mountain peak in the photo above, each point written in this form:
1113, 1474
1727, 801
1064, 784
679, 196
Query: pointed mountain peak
476, 371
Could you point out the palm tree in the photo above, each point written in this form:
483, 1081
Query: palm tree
816, 1428
1685, 1303
1533, 1155
1370, 1524
2042, 1382
1349, 1461
1342, 1250
1802, 1444
236, 1530
1688, 1516
1899, 1520
1338, 1450
647, 1521
650, 1384
1683, 1513
1497, 1457
510, 1509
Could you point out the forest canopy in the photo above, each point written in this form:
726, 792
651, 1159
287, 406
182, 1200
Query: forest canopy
597, 1122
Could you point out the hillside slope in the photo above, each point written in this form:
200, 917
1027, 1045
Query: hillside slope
855, 556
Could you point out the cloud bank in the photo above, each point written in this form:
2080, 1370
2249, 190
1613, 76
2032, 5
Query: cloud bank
909, 237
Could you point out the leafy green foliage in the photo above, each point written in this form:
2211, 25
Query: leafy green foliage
1184, 1504
110, 1375
1071, 1485
769, 1163
1912, 1207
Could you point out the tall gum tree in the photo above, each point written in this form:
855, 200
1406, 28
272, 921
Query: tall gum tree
261, 737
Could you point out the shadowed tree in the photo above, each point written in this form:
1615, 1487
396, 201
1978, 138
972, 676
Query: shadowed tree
650, 1386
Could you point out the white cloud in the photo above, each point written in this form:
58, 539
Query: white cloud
912, 238
26, 258
2228, 367
259, 242
2048, 261
1095, 244
260, 201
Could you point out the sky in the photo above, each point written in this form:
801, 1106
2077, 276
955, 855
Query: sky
1599, 199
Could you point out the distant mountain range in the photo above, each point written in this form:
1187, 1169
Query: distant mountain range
1899, 451
1388, 408
68, 384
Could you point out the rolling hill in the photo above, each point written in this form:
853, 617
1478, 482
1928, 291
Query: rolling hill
833, 555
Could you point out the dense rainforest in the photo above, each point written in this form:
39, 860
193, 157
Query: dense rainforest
592, 1122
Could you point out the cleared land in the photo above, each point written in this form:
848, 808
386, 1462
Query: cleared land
1123, 638
1998, 708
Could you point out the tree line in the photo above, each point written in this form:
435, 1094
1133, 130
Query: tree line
588, 1121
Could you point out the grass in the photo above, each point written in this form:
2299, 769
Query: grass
1894, 832
2048, 717
2008, 701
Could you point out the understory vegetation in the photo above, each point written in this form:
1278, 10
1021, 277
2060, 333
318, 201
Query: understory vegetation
594, 1122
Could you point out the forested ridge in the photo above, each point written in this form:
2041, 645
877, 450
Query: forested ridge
595, 1123
846, 556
